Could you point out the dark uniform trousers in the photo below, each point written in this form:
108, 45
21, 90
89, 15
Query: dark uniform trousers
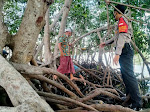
126, 67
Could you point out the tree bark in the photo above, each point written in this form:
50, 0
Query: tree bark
19, 91
47, 48
8, 109
31, 25
100, 49
39, 50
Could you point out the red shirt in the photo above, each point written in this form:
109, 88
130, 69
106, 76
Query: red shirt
123, 27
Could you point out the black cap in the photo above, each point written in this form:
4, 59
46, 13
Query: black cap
122, 8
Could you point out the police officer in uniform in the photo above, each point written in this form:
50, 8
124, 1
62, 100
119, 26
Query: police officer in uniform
124, 55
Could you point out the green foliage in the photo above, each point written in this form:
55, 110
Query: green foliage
19, 1
84, 16
13, 13
144, 85
79, 15
103, 16
141, 40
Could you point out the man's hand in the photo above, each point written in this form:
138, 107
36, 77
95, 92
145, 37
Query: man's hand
102, 44
61, 54
116, 59
70, 45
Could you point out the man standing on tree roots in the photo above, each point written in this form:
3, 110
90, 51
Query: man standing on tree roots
66, 64
124, 54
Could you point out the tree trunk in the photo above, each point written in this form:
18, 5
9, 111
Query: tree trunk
100, 49
31, 25
39, 50
19, 91
47, 51
50, 30
55, 20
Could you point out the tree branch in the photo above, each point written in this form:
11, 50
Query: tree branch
93, 31
143, 58
130, 6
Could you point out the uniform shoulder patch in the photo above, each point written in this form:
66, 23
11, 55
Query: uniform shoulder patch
123, 27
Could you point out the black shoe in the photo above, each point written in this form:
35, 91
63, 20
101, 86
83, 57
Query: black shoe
123, 98
126, 101
136, 108
126, 98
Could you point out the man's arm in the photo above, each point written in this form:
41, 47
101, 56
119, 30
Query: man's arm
120, 43
60, 49
110, 41
119, 47
60, 40
123, 30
